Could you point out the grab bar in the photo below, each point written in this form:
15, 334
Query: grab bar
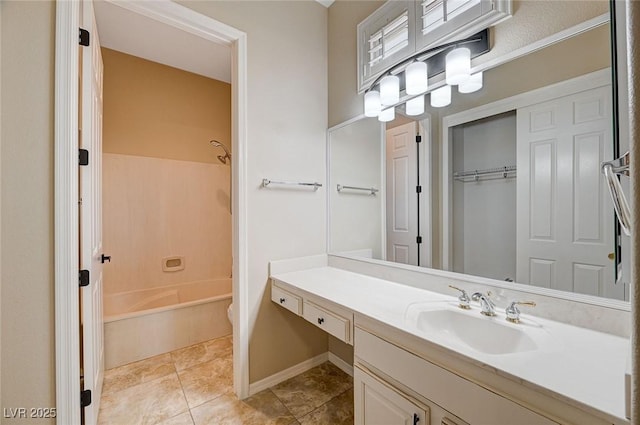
373, 190
620, 204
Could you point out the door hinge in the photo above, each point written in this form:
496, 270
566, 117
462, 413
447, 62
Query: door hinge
85, 398
84, 37
418, 139
83, 156
84, 278
418, 189
418, 239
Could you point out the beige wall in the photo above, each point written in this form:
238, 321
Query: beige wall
155, 208
344, 16
27, 321
171, 204
532, 20
155, 110
576, 56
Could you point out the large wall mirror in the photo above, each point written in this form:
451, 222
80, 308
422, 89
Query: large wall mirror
504, 183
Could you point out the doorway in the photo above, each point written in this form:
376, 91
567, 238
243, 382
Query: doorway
66, 187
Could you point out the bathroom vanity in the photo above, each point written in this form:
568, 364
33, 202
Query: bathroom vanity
421, 359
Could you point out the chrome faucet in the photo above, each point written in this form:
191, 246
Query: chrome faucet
488, 308
463, 298
513, 312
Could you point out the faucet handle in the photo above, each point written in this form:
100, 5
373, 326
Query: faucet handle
513, 312
463, 298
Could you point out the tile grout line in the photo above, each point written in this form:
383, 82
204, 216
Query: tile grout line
326, 402
282, 402
184, 394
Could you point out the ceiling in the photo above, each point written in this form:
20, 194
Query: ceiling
128, 32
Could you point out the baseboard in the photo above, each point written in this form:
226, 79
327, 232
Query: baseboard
341, 364
281, 376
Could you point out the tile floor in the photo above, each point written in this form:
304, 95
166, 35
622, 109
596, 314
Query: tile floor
193, 386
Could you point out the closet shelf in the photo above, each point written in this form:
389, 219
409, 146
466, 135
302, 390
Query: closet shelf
506, 172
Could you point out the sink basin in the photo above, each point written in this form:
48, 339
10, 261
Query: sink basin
480, 333
489, 335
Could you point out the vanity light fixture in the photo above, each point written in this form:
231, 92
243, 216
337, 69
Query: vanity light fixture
390, 90
458, 66
417, 80
387, 115
473, 84
441, 97
383, 95
372, 104
415, 106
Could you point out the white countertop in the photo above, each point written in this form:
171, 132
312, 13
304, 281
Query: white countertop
581, 366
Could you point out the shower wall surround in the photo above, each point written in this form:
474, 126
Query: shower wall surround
156, 208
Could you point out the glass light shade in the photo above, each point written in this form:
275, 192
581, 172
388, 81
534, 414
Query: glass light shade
441, 97
415, 106
458, 66
372, 105
387, 115
474, 83
416, 78
390, 90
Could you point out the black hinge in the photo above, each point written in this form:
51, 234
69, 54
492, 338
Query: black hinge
418, 239
418, 139
84, 37
83, 156
84, 278
85, 398
418, 189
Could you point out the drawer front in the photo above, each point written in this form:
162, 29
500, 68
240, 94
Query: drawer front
286, 299
333, 324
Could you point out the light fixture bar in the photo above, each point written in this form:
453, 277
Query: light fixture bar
477, 43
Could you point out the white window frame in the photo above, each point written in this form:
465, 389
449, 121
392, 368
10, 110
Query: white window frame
479, 17
374, 23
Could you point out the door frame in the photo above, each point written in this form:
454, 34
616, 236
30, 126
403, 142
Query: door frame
66, 218
565, 88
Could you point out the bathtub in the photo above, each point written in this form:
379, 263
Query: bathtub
144, 323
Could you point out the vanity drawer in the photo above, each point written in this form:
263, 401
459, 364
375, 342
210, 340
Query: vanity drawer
331, 323
286, 299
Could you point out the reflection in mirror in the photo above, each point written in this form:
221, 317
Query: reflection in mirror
356, 213
510, 184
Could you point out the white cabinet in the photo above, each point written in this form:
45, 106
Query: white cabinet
331, 318
433, 385
377, 403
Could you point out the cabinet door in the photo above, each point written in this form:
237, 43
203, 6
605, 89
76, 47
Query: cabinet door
376, 403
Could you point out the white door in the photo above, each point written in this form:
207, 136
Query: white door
91, 216
402, 201
565, 221
378, 404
